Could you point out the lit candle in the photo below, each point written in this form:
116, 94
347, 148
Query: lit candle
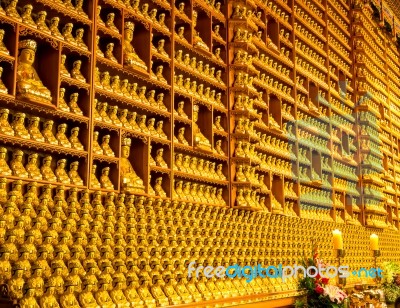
374, 240
337, 239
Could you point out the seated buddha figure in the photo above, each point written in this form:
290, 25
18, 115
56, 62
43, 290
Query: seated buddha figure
29, 85
18, 124
130, 181
47, 171
102, 296
5, 127
200, 141
117, 294
130, 56
17, 167
197, 40
4, 168
86, 298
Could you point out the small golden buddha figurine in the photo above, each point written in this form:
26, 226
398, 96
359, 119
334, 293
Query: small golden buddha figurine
3, 88
11, 10
74, 139
99, 20
200, 140
160, 131
5, 127
63, 69
61, 173
28, 299
159, 74
61, 137
54, 28
67, 33
62, 104
26, 15
218, 147
131, 294
29, 85
197, 40
99, 53
181, 136
105, 179
76, 71
94, 182
47, 171
105, 145
4, 168
32, 167
151, 128
79, 38
130, 56
129, 179
180, 110
3, 48
68, 299
18, 124
159, 191
96, 146
49, 299
47, 132
34, 130
73, 103
74, 174
17, 166
110, 22
79, 9
159, 159
109, 52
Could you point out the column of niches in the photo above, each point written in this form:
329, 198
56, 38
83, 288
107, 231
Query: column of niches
133, 87
369, 65
339, 65
47, 134
200, 113
312, 110
391, 115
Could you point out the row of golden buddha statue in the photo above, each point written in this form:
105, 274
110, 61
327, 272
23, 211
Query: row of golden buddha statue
198, 66
313, 212
17, 128
199, 167
129, 90
129, 120
198, 193
31, 169
190, 87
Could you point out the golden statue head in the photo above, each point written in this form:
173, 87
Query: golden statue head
27, 53
126, 146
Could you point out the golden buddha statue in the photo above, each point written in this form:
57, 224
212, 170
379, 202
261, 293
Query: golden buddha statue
47, 171
79, 39
129, 179
130, 56
68, 299
95, 144
157, 292
117, 294
73, 103
17, 166
11, 10
3, 88
73, 174
26, 15
61, 173
62, 104
16, 283
4, 168
102, 296
67, 33
5, 127
109, 53
49, 299
160, 162
94, 182
63, 69
105, 179
76, 71
29, 299
74, 139
18, 124
54, 28
47, 132
158, 189
200, 141
105, 145
32, 167
41, 22
61, 137
197, 40
29, 85
3, 48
